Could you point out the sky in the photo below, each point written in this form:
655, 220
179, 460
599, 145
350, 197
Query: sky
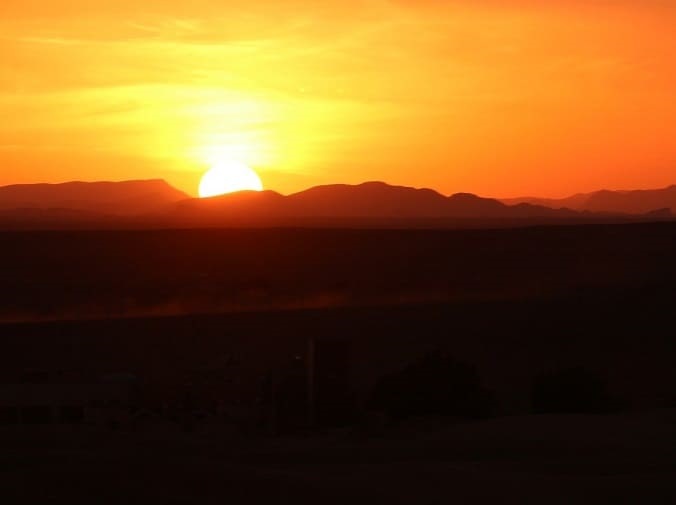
500, 98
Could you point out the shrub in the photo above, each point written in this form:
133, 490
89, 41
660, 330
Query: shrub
436, 385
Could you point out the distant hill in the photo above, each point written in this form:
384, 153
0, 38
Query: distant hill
377, 199
368, 203
116, 198
625, 202
154, 203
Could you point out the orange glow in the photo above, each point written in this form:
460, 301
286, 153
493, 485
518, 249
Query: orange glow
500, 98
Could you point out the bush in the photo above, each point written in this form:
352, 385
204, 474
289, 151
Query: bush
436, 385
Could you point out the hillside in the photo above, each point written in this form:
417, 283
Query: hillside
625, 202
118, 198
370, 202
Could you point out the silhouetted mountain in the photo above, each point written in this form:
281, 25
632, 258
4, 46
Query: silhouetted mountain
243, 205
625, 202
154, 203
378, 199
118, 198
368, 201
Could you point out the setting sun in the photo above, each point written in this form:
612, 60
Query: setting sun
229, 177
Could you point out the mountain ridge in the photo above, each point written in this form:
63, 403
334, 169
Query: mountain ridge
635, 201
375, 199
155, 203
124, 197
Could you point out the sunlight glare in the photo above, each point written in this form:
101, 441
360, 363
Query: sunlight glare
229, 177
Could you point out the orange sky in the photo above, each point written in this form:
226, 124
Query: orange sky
500, 98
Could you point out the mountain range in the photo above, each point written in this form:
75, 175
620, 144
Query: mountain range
155, 203
626, 202
116, 198
370, 200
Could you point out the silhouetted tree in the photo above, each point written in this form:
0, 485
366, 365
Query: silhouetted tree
434, 385
573, 390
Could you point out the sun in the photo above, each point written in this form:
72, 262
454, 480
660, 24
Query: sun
229, 177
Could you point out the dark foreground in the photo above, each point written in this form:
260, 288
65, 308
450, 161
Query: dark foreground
562, 459
71, 275
504, 366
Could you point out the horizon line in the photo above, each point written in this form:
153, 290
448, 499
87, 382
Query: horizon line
266, 189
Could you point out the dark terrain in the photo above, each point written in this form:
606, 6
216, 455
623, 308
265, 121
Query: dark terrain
73, 274
523, 365
629, 202
154, 204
